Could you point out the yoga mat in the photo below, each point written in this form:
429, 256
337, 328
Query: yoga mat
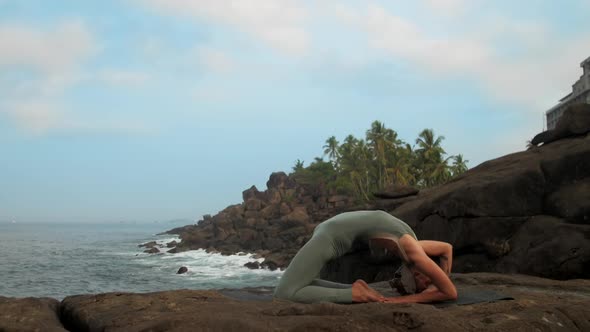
473, 296
466, 296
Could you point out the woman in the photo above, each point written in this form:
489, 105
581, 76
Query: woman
334, 238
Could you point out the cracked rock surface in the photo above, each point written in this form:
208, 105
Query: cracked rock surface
539, 305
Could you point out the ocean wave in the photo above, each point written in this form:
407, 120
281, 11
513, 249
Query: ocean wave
204, 266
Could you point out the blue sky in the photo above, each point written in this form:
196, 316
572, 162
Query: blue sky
146, 110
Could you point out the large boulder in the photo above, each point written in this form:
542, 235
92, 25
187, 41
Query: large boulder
153, 250
280, 180
574, 121
30, 314
251, 192
297, 217
538, 305
396, 191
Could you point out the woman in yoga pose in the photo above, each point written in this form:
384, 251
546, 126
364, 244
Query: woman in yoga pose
334, 238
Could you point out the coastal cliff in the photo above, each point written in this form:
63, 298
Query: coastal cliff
527, 212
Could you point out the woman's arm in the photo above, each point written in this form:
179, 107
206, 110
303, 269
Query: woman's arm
442, 250
445, 290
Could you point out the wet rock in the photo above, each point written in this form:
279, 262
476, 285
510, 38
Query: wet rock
253, 265
153, 250
150, 244
269, 265
182, 269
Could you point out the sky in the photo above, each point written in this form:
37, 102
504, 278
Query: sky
150, 110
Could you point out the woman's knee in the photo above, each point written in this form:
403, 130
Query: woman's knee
283, 292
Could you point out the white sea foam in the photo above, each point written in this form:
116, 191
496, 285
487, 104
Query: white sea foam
211, 269
167, 240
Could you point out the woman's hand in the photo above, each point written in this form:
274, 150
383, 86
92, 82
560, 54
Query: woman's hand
394, 299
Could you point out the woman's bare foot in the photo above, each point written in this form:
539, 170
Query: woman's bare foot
365, 285
361, 292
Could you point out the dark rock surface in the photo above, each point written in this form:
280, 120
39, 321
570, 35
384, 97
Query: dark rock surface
29, 314
527, 212
396, 192
253, 265
153, 250
182, 269
575, 120
150, 244
539, 305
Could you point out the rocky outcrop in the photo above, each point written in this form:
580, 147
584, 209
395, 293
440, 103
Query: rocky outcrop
30, 314
274, 223
538, 305
574, 121
150, 244
396, 192
527, 212
153, 250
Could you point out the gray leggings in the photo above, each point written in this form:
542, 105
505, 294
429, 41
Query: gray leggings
299, 282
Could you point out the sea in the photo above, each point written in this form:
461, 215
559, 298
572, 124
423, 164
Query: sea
58, 260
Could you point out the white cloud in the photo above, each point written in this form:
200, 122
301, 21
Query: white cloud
449, 7
278, 23
49, 51
40, 66
44, 116
36, 116
529, 79
119, 77
53, 58
214, 60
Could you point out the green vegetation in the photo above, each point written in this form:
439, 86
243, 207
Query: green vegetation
359, 167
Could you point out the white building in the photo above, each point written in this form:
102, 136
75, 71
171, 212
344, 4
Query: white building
580, 94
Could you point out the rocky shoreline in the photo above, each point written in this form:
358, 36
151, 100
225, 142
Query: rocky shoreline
527, 212
538, 305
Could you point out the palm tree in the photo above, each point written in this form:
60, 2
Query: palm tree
439, 172
459, 165
433, 168
399, 166
359, 172
383, 141
331, 149
429, 146
345, 151
298, 166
